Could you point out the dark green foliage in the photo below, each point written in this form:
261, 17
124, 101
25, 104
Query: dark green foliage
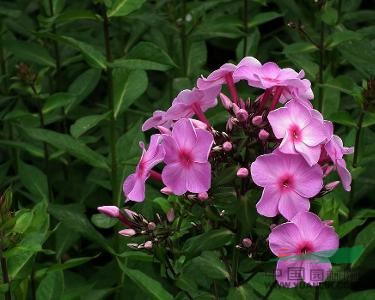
77, 80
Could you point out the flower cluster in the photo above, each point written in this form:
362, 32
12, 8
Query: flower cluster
295, 150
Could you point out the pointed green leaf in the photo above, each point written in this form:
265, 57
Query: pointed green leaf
122, 8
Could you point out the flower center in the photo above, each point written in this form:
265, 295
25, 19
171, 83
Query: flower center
286, 182
305, 248
185, 157
295, 133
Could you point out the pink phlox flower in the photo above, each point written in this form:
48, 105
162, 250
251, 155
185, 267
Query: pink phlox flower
159, 118
335, 150
190, 102
300, 129
186, 158
288, 183
304, 246
134, 185
220, 76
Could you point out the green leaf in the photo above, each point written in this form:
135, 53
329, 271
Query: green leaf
329, 16
146, 56
127, 87
147, 284
300, 47
82, 86
243, 292
72, 15
72, 217
67, 143
23, 222
343, 118
210, 265
369, 119
365, 238
262, 18
51, 287
30, 52
122, 8
338, 37
210, 240
102, 221
57, 100
362, 295
349, 226
35, 181
84, 124
92, 55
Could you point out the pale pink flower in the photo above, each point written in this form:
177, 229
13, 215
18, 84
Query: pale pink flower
300, 130
335, 150
159, 118
186, 157
192, 102
242, 172
288, 183
305, 244
127, 232
220, 76
134, 185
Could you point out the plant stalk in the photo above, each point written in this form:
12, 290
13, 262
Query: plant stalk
245, 26
112, 124
321, 66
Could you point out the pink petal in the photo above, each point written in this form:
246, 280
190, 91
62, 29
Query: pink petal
316, 270
174, 177
203, 145
308, 224
266, 169
280, 121
156, 119
287, 145
308, 180
134, 188
314, 133
327, 242
198, 178
178, 111
171, 150
310, 154
155, 152
284, 240
184, 134
285, 273
268, 204
299, 114
291, 203
345, 176
270, 70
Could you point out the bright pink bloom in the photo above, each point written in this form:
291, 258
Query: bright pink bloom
193, 102
219, 77
134, 185
305, 243
186, 157
288, 182
336, 151
110, 211
300, 130
159, 118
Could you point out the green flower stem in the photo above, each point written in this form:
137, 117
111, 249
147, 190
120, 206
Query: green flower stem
245, 26
321, 66
112, 124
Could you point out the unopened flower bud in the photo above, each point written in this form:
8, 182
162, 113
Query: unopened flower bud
246, 242
331, 186
230, 123
166, 191
151, 226
110, 211
227, 103
328, 222
243, 172
132, 245
241, 114
203, 196
131, 214
263, 135
227, 146
257, 120
148, 245
164, 130
217, 148
127, 232
327, 170
170, 215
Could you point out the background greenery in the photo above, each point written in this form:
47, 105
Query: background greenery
77, 80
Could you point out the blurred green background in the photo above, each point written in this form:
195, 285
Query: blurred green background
78, 78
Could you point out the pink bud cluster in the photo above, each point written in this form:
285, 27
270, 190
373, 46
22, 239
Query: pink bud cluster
298, 149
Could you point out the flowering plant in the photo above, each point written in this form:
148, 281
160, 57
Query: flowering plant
274, 157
